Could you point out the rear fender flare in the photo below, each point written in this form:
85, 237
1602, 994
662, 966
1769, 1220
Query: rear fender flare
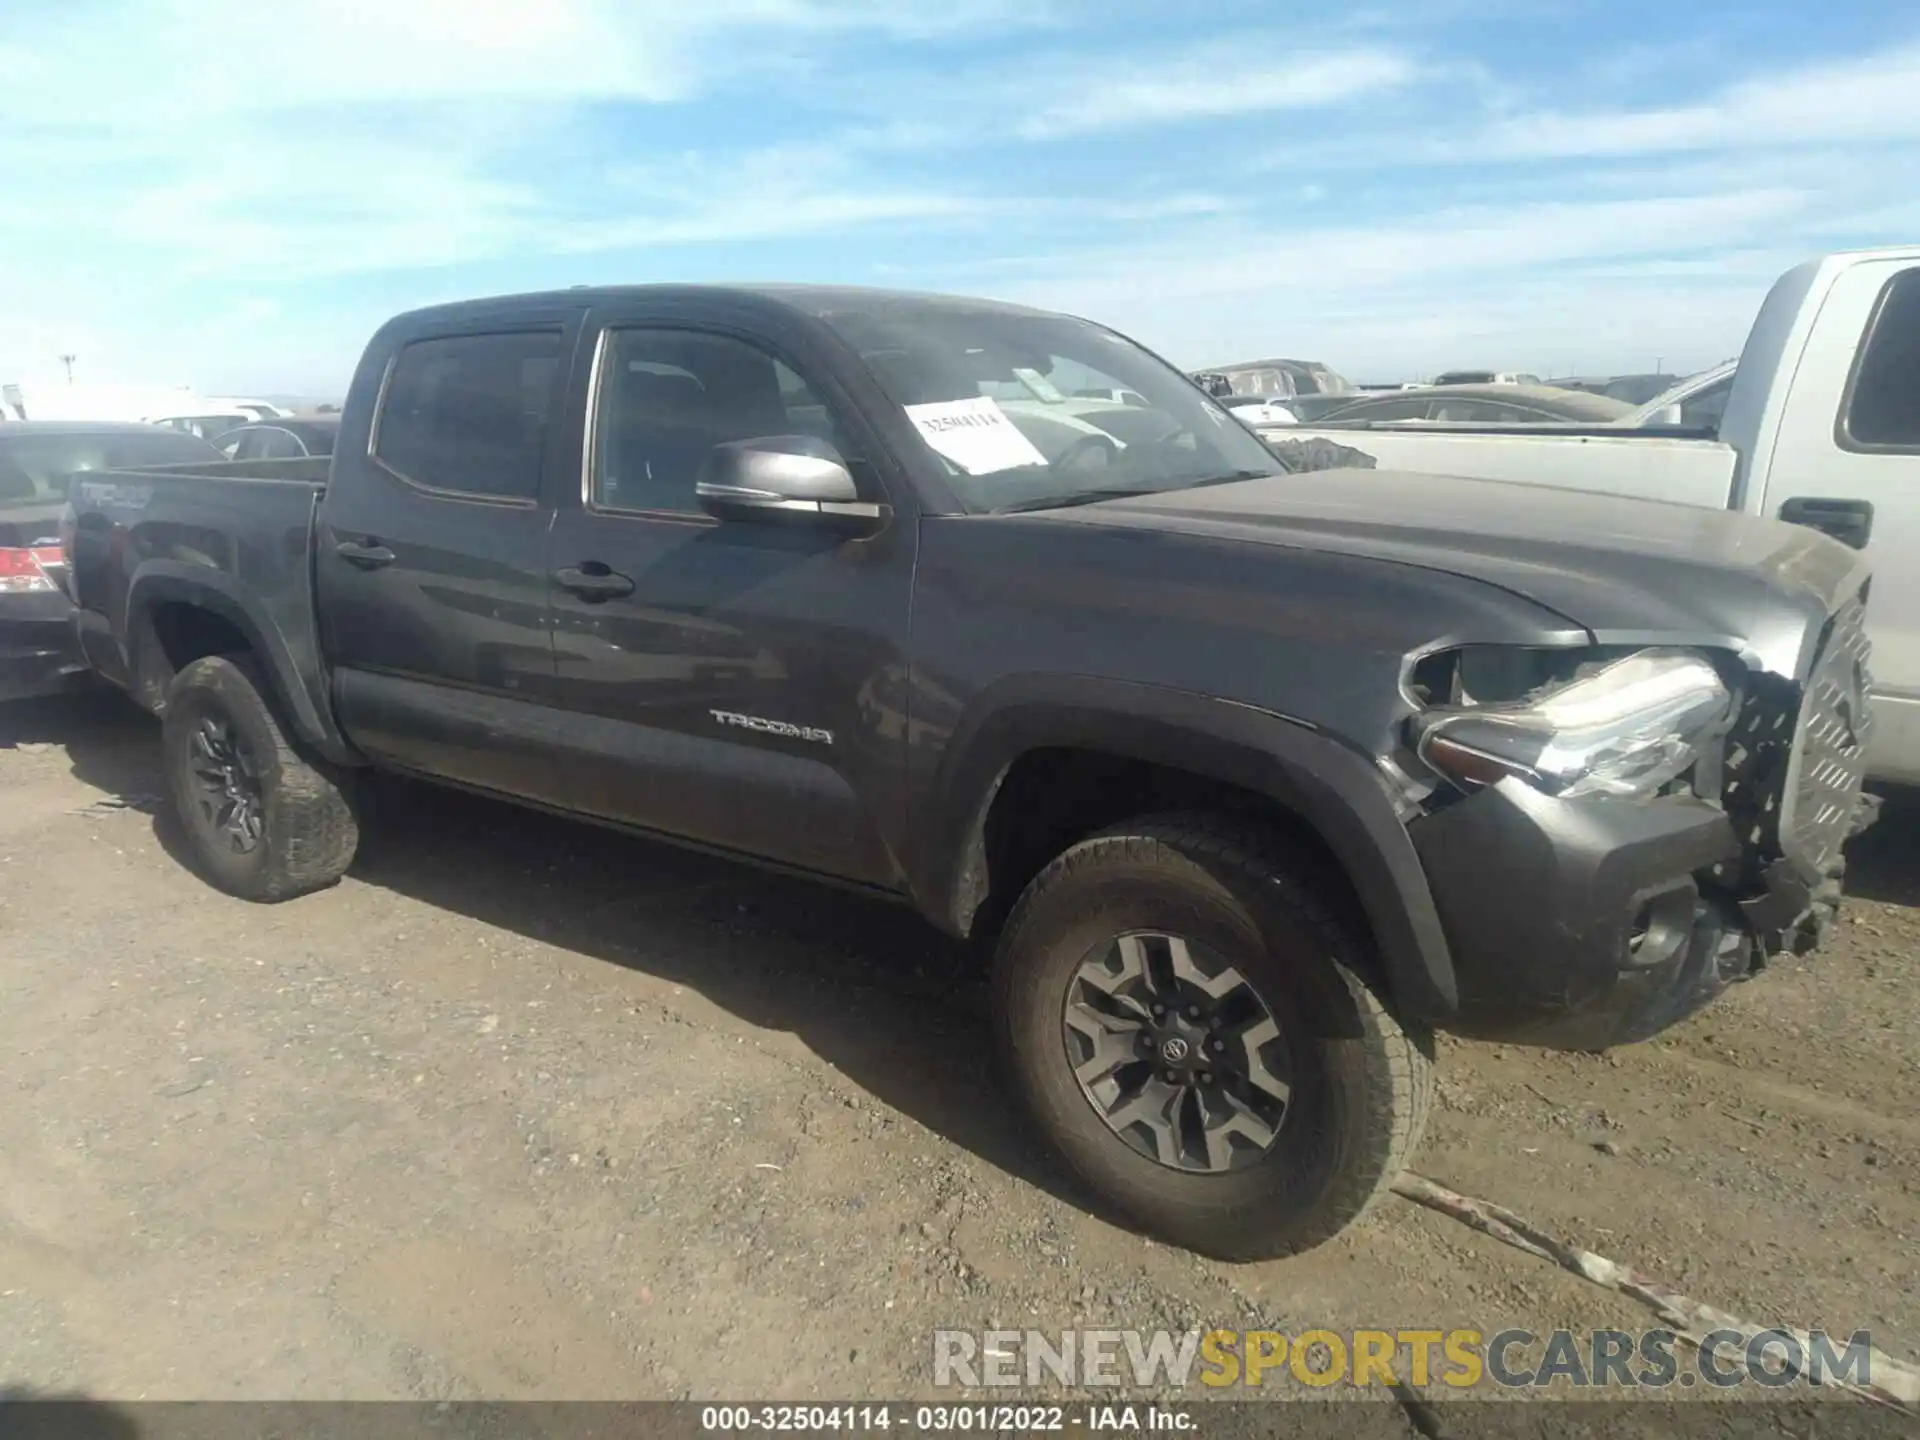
165, 582
1339, 792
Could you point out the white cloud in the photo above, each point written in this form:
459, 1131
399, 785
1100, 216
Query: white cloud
779, 191
179, 60
1876, 97
1443, 287
1412, 195
1215, 81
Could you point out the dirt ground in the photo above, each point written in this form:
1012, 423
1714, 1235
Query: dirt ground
523, 1109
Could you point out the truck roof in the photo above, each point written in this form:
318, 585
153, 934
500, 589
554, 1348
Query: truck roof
808, 299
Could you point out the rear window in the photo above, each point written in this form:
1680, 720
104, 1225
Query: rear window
1882, 409
36, 467
468, 414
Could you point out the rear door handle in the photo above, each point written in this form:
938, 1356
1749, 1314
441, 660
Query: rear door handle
368, 556
1848, 521
593, 581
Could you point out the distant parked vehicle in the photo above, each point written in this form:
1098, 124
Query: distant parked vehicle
202, 424
257, 409
1488, 404
1308, 408
38, 654
1260, 409
1696, 403
1283, 379
293, 438
1485, 377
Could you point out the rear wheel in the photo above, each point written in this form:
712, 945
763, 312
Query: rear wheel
263, 822
1188, 1024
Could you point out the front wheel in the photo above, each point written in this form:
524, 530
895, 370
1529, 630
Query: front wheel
1187, 1022
263, 822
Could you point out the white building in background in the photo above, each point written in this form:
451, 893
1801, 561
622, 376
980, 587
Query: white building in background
86, 400
177, 405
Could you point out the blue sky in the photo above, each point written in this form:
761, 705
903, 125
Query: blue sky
232, 193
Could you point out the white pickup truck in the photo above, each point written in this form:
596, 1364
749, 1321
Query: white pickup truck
1822, 427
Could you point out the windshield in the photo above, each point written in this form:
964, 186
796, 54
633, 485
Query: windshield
1637, 389
1701, 398
1024, 410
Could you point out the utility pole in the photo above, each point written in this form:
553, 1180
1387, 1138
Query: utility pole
67, 360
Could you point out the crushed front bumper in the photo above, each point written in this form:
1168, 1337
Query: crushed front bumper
1580, 924
1585, 923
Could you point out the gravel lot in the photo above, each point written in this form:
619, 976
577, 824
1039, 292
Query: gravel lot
527, 1110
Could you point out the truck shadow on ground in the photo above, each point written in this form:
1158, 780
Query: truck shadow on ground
1884, 863
30, 1414
897, 1008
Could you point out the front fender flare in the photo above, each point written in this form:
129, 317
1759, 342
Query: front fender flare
1335, 789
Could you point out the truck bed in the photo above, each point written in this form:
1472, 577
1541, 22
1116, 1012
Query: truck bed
242, 528
1673, 465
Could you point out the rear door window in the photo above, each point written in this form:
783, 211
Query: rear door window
1882, 407
468, 415
1703, 409
1387, 410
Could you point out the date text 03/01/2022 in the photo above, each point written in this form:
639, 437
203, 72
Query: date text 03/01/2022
947, 1418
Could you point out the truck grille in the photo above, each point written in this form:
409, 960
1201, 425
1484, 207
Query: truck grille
1821, 797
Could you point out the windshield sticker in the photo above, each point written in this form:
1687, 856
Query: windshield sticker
974, 434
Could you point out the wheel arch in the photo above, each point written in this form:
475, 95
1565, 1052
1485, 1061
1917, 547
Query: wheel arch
1214, 754
179, 613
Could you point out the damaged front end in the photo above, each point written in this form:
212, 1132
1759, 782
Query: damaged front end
1614, 835
1790, 781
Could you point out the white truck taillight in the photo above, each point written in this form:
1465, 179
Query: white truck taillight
22, 572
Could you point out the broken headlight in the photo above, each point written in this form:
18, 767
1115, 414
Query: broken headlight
1627, 727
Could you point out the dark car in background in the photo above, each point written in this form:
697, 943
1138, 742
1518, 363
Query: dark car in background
292, 437
1277, 379
37, 651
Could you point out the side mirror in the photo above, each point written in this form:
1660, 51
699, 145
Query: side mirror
784, 477
1665, 415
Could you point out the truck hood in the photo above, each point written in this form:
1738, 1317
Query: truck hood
1628, 571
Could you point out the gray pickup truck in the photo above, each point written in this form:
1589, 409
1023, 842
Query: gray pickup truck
1250, 779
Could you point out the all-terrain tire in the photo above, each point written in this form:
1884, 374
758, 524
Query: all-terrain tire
309, 829
1362, 1080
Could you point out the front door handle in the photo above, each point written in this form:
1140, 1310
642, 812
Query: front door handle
370, 555
1848, 521
593, 581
